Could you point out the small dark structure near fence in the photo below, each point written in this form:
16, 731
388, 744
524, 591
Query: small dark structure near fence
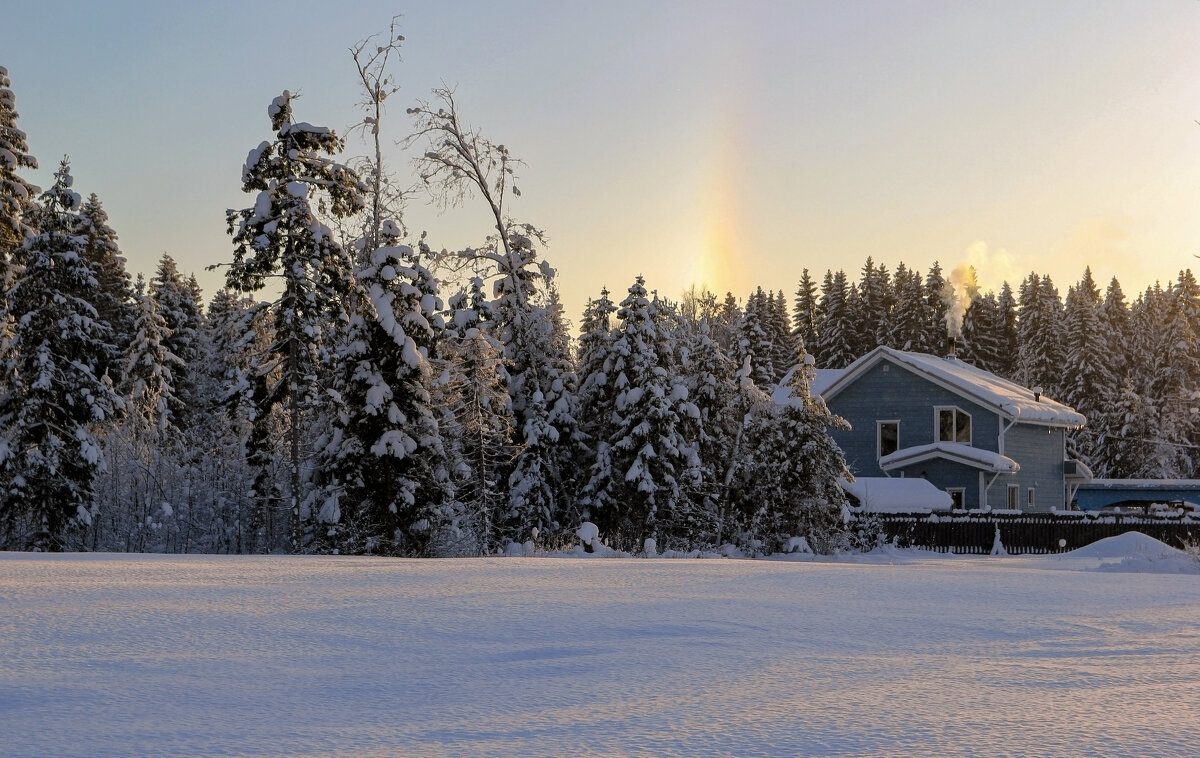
1024, 533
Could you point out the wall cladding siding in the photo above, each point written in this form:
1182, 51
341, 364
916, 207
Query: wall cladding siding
1039, 450
889, 391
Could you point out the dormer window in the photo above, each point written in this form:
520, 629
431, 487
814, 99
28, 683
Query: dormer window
953, 425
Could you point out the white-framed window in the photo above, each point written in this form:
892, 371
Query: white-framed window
951, 424
958, 497
887, 437
1014, 497
1029, 496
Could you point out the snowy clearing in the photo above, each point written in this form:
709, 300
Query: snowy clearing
898, 653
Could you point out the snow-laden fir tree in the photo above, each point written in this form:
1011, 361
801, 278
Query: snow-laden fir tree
835, 329
935, 329
16, 194
874, 309
715, 389
911, 315
53, 396
1175, 387
148, 376
983, 334
386, 476
178, 302
237, 334
646, 459
281, 237
144, 450
477, 421
1040, 359
756, 339
788, 486
804, 310
1089, 384
115, 302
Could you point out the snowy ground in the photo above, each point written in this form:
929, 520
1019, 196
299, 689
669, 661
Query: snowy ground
898, 654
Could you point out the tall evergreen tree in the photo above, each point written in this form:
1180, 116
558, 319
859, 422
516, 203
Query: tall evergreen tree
1089, 386
645, 462
53, 396
1041, 353
805, 309
983, 334
385, 464
16, 194
478, 427
835, 331
281, 236
789, 487
115, 302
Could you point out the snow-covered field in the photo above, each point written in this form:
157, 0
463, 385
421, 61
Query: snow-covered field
892, 654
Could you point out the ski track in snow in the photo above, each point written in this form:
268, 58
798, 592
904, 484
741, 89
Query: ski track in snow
123, 655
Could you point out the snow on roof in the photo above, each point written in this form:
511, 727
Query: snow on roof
951, 451
824, 380
1007, 398
896, 495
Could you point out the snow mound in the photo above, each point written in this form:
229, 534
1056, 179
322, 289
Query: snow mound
1137, 552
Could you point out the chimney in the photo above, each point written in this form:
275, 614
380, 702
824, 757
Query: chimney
1037, 394
951, 348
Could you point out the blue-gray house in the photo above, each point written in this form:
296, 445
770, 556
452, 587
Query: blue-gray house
984, 440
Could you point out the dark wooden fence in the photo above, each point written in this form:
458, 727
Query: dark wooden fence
1026, 533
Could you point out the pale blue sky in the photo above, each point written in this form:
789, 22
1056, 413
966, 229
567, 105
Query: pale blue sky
727, 143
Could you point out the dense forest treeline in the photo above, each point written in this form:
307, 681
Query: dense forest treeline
349, 392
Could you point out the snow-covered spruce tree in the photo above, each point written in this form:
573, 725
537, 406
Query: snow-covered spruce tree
282, 237
16, 194
874, 311
935, 329
1010, 336
478, 420
387, 480
835, 330
115, 302
53, 397
714, 388
645, 461
756, 339
1175, 387
804, 310
237, 334
144, 450
1089, 384
788, 485
1040, 360
982, 333
526, 320
911, 315
178, 302
596, 393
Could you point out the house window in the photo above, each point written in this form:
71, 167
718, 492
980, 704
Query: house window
889, 437
1014, 497
958, 497
1029, 496
953, 425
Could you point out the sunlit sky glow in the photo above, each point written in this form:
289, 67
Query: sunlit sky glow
728, 144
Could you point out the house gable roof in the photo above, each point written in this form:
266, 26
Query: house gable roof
1008, 399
